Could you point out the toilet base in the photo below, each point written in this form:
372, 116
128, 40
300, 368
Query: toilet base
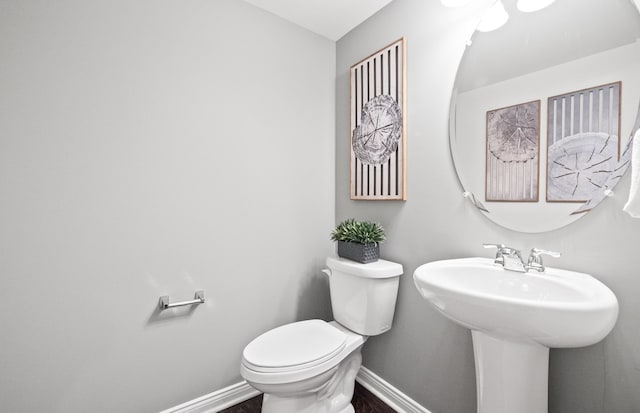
332, 397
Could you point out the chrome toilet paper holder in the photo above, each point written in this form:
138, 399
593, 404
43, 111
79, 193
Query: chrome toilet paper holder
165, 302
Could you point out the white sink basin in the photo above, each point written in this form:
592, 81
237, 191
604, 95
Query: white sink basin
556, 308
514, 318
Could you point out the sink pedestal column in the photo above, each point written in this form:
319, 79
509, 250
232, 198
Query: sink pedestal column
511, 376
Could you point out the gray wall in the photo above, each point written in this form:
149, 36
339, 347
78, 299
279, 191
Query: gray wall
151, 148
425, 355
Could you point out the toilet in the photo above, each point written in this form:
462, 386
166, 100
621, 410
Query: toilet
310, 366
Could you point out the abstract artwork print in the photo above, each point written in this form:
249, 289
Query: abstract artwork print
583, 145
378, 125
512, 155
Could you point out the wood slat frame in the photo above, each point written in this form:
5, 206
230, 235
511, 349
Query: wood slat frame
382, 72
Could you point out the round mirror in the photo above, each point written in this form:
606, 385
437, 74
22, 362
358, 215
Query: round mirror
543, 109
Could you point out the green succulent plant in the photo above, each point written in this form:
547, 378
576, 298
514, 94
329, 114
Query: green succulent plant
362, 232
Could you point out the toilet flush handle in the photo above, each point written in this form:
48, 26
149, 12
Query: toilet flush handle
327, 272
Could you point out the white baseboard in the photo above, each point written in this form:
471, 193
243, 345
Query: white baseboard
240, 392
391, 396
218, 400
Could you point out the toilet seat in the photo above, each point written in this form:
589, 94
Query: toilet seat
297, 351
294, 346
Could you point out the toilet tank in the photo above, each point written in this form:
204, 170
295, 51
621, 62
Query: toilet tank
363, 296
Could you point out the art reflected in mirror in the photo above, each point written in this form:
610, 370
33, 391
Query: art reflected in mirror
572, 45
583, 149
378, 125
583, 142
513, 148
612, 178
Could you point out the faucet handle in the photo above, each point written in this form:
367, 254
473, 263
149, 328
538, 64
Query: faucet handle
498, 246
499, 254
502, 251
535, 259
537, 252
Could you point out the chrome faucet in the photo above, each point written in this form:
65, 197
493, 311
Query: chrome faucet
511, 258
535, 260
499, 254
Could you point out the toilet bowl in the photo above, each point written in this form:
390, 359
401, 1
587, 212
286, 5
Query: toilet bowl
310, 366
298, 366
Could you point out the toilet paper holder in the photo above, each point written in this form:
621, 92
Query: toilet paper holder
165, 303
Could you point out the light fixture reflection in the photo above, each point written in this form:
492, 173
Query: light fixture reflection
455, 3
494, 18
529, 6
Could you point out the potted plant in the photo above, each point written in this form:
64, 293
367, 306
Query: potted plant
359, 240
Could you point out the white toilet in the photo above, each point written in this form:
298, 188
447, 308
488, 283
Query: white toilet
310, 366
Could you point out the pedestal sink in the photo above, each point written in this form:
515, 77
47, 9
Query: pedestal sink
514, 319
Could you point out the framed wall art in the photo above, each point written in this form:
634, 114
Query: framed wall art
513, 153
583, 145
378, 125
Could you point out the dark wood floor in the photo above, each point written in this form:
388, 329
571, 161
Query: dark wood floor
363, 401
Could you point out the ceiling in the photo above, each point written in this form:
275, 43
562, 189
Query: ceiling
329, 18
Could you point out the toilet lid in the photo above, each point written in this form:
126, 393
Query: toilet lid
294, 346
